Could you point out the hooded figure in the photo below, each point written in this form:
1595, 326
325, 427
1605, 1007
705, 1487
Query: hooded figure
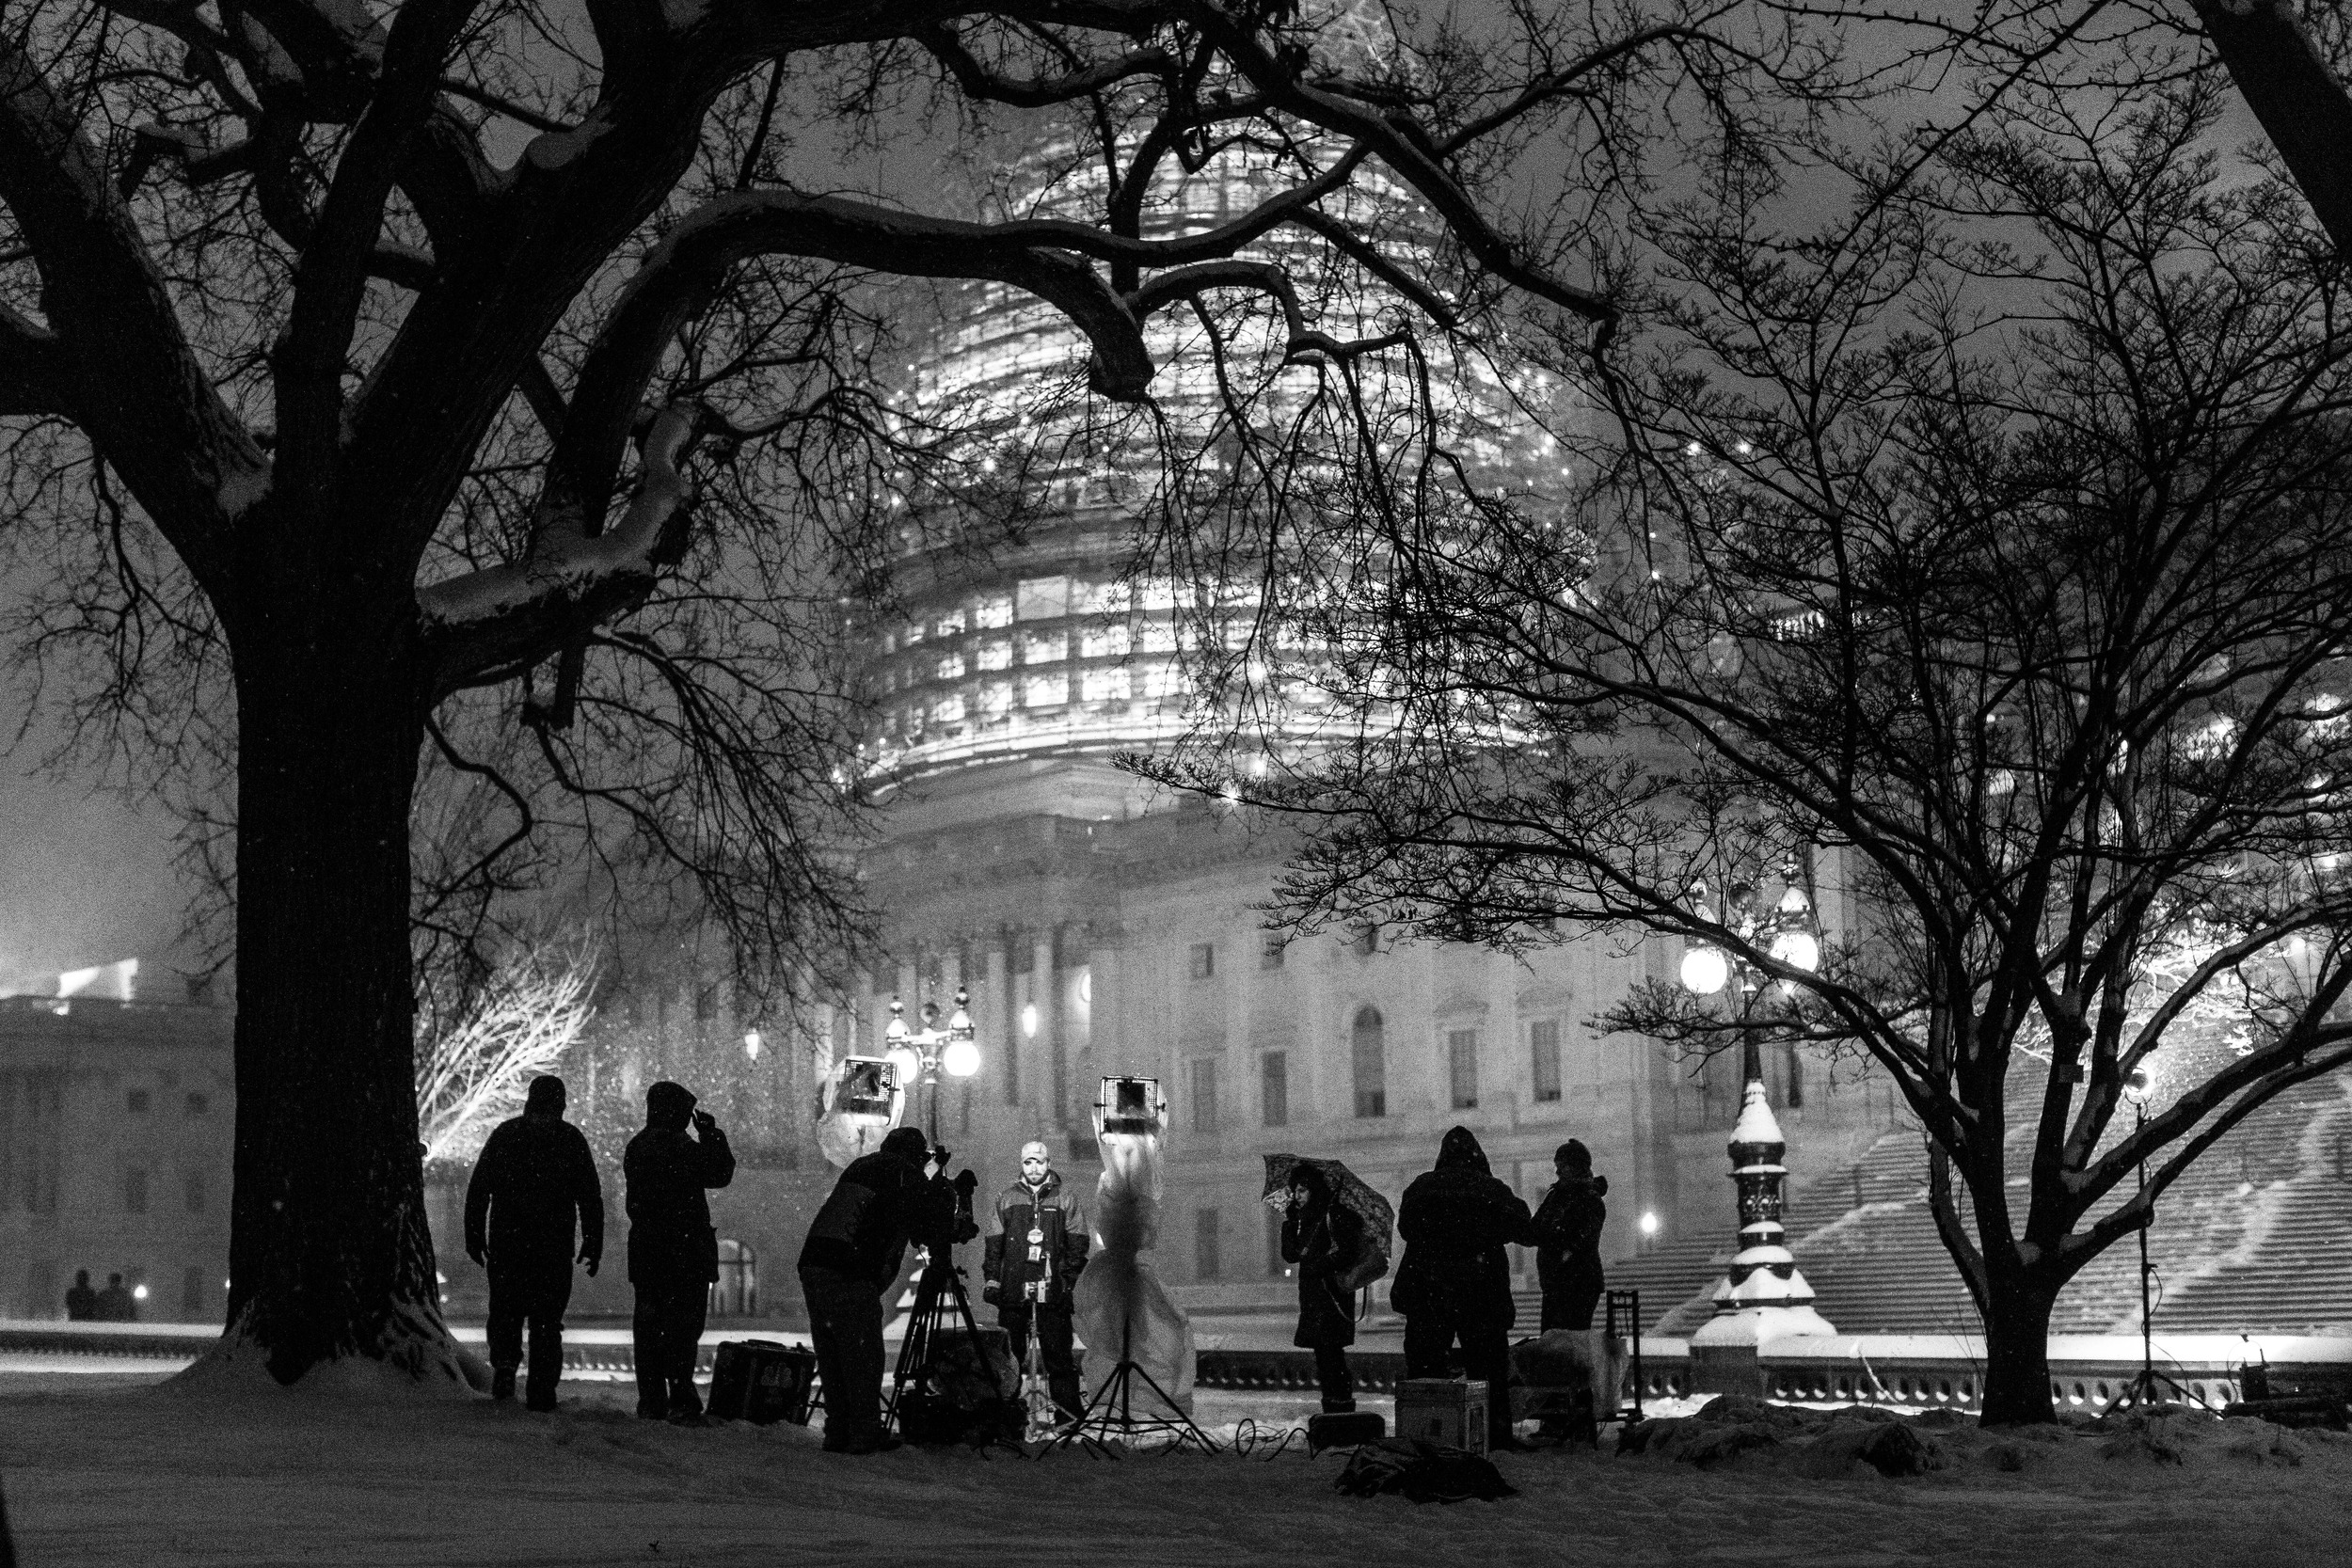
1325, 1240
1035, 1251
1566, 1229
534, 1188
81, 1302
857, 1246
673, 1250
1455, 1281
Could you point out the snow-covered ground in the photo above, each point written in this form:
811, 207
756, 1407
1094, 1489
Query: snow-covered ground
115, 1470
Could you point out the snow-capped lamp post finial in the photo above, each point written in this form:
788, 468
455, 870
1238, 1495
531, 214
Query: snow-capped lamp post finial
1763, 1296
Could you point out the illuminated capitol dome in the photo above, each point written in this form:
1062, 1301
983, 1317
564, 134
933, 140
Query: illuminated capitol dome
1107, 928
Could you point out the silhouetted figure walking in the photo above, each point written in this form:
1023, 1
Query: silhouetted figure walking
1566, 1229
672, 1251
1326, 1241
114, 1304
1035, 1251
857, 1246
534, 1180
81, 1302
1455, 1282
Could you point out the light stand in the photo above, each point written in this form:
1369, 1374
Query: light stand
2143, 1389
1111, 1412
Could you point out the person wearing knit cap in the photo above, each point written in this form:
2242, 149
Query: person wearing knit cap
1568, 1228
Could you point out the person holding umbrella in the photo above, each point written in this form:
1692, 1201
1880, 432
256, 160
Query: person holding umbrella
1335, 1230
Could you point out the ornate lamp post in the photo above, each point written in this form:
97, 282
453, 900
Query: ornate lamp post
1763, 1297
921, 1054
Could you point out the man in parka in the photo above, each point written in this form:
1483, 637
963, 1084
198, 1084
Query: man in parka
1036, 1247
673, 1250
533, 1189
1455, 1280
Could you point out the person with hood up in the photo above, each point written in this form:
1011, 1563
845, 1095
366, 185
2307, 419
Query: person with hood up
1455, 1280
673, 1250
533, 1181
857, 1246
1035, 1251
1566, 1229
1325, 1240
81, 1302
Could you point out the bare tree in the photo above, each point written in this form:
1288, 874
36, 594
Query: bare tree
1995, 541
547, 474
473, 1072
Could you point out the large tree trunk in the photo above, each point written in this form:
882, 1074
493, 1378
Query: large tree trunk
330, 1256
2017, 1344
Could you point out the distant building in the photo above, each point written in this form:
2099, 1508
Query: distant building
115, 1130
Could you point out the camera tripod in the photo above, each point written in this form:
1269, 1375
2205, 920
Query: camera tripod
940, 1303
1111, 1412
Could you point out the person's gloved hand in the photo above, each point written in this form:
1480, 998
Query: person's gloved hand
992, 1292
704, 1121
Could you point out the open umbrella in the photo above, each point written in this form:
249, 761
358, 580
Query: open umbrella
1349, 1189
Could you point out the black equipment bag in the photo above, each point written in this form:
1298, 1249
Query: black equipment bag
1344, 1429
762, 1382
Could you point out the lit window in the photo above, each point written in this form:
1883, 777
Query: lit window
947, 710
993, 612
1046, 690
910, 637
1104, 685
996, 653
1163, 680
951, 622
995, 700
1041, 598
1104, 643
1159, 637
1043, 648
951, 667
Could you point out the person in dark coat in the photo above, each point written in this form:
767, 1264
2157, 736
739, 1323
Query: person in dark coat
534, 1191
1455, 1281
1325, 1240
116, 1304
1035, 1251
855, 1247
1566, 1229
673, 1250
81, 1302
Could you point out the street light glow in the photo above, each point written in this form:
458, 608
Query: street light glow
751, 1044
962, 1058
1704, 971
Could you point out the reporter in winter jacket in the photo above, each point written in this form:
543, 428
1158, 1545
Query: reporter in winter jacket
1325, 1240
1455, 1280
1567, 1230
673, 1250
1035, 1250
855, 1246
534, 1183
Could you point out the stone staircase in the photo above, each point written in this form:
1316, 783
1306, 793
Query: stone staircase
2256, 1236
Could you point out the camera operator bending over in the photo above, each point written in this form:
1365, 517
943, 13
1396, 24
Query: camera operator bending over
673, 1250
1036, 1248
855, 1247
533, 1184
